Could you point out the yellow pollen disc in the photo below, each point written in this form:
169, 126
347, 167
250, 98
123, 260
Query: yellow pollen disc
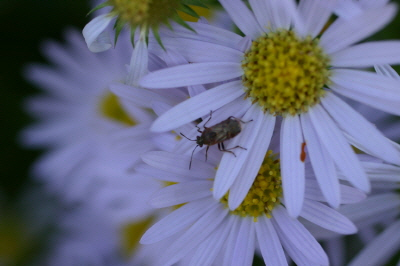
144, 12
265, 193
111, 108
285, 74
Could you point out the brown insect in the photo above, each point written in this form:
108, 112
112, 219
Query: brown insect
303, 153
217, 134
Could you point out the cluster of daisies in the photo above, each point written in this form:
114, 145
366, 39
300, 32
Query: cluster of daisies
190, 132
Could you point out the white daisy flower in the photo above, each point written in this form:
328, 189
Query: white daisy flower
285, 66
205, 226
86, 128
134, 13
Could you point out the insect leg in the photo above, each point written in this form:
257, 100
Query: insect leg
221, 147
207, 152
244, 122
191, 157
208, 119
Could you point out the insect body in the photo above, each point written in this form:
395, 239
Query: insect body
217, 134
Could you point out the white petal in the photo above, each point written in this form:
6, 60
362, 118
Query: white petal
360, 129
270, 245
177, 221
292, 168
382, 172
229, 167
191, 74
250, 169
96, 39
192, 237
327, 218
198, 106
322, 163
208, 250
381, 248
178, 164
181, 193
260, 10
372, 89
200, 51
280, 13
231, 241
347, 194
372, 208
387, 70
245, 243
139, 64
242, 17
338, 148
299, 236
383, 52
343, 33
315, 14
139, 97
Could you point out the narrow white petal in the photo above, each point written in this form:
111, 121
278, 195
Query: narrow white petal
280, 13
139, 97
178, 164
139, 64
270, 245
181, 193
360, 129
295, 255
327, 218
242, 17
200, 51
198, 106
345, 32
383, 52
338, 148
211, 247
381, 249
191, 74
373, 207
347, 194
292, 167
372, 89
177, 221
229, 167
315, 14
245, 243
387, 70
255, 158
382, 172
231, 241
192, 237
95, 38
299, 236
260, 10
322, 163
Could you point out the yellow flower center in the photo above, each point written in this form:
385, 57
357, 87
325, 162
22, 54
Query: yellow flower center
265, 193
285, 74
111, 108
144, 12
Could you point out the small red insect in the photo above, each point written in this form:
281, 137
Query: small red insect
217, 134
303, 153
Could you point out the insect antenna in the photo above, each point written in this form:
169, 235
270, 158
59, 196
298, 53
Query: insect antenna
187, 137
